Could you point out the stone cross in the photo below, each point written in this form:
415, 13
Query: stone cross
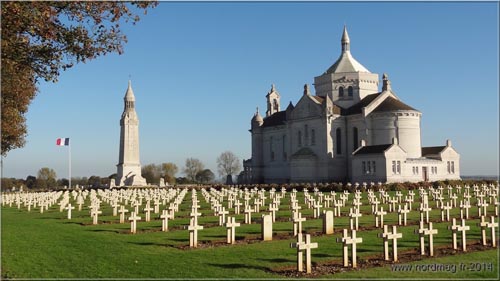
445, 208
354, 215
346, 241
317, 209
267, 228
394, 236
297, 223
402, 212
95, 214
193, 233
148, 210
222, 216
327, 222
425, 209
307, 246
383, 235
136, 206
453, 229
482, 205
248, 215
115, 208
300, 253
454, 197
164, 223
380, 214
430, 231
133, 222
231, 229
237, 206
463, 228
272, 209
483, 224
420, 231
492, 225
464, 209
69, 208
122, 212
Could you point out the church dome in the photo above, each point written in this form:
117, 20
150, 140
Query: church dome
346, 62
257, 119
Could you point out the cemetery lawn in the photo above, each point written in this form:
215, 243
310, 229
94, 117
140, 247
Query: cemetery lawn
35, 245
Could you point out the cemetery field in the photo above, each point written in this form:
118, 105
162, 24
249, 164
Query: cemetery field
49, 245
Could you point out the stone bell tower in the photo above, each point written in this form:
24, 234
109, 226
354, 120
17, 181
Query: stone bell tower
129, 166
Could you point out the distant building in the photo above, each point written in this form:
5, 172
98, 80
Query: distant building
129, 166
347, 131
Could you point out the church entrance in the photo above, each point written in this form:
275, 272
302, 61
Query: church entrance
424, 174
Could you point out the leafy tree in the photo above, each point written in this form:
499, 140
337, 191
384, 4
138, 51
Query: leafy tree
151, 173
192, 167
169, 170
63, 182
205, 176
228, 165
30, 182
46, 178
39, 39
94, 181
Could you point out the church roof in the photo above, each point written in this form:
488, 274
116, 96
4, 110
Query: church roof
318, 99
129, 95
391, 104
432, 150
373, 149
356, 109
346, 63
276, 119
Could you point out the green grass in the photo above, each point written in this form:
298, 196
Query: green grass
48, 245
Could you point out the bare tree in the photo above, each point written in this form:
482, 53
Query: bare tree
193, 166
228, 164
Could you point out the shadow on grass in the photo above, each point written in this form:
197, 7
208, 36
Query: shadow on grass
151, 244
238, 265
104, 230
276, 260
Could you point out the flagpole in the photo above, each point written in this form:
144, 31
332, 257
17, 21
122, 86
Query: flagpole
69, 149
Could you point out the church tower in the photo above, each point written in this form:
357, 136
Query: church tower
273, 101
347, 81
129, 166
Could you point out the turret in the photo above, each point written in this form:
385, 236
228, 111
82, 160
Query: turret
273, 101
257, 146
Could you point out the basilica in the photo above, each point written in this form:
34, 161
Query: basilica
347, 131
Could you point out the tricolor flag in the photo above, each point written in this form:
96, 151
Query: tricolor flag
62, 142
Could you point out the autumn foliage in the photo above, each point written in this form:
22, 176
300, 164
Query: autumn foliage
39, 39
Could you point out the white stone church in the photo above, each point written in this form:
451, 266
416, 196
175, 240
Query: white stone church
348, 131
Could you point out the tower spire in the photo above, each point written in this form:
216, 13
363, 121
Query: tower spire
345, 40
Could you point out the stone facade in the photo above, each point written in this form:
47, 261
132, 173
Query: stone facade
129, 166
348, 131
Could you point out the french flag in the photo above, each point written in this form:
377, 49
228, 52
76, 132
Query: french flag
62, 142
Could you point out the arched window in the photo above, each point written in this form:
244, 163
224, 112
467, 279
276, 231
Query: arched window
300, 138
341, 91
275, 105
306, 133
339, 141
313, 137
349, 91
354, 138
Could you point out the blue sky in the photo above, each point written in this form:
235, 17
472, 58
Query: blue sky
199, 70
